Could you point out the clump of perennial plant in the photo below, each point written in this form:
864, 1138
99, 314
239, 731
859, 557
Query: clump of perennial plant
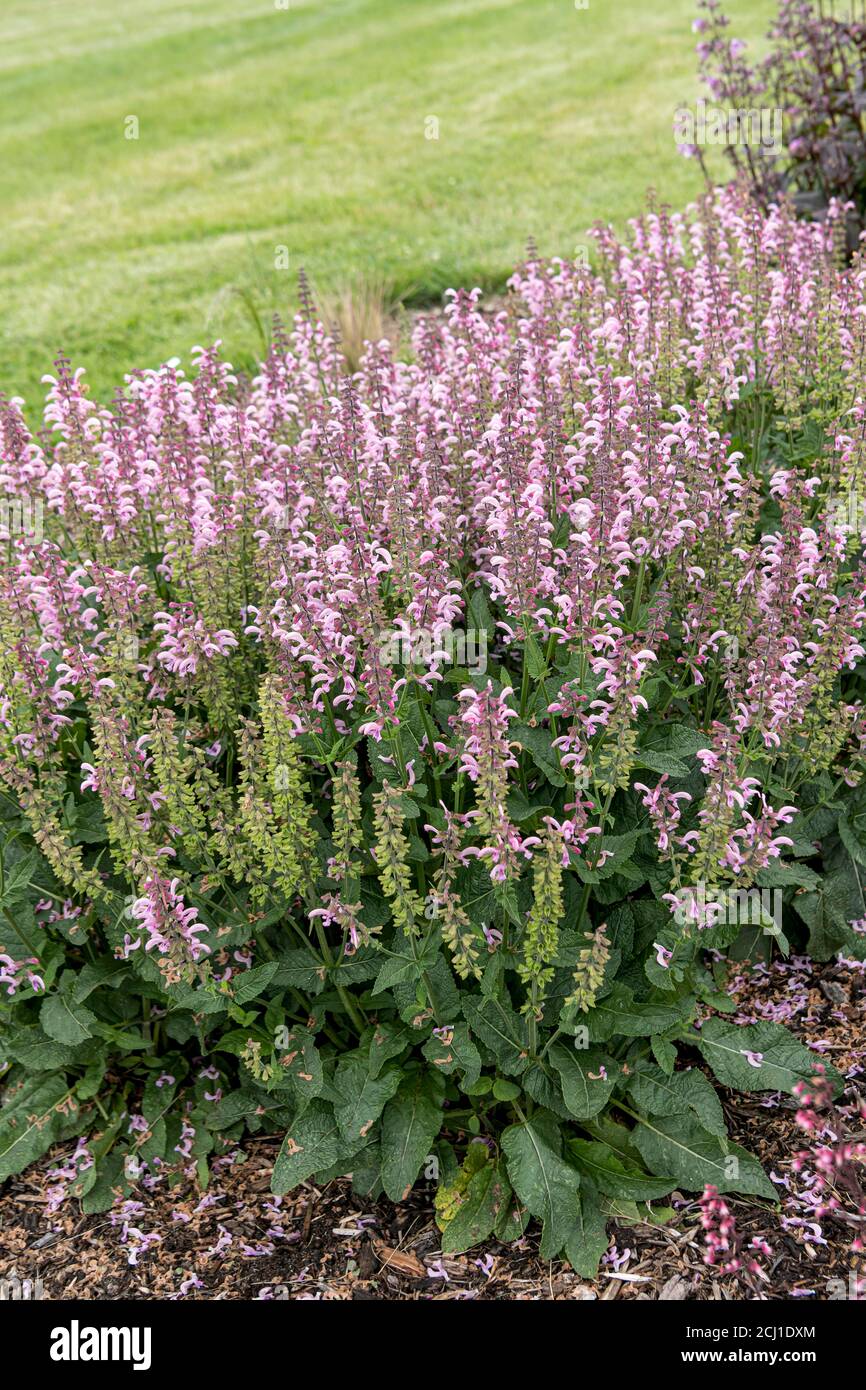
388, 758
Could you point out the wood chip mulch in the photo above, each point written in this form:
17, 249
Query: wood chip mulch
236, 1241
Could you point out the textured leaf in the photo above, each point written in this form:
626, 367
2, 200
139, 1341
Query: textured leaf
539, 745
251, 983
613, 1176
500, 1029
543, 1083
512, 1220
361, 1097
455, 1052
198, 1001
665, 1054
588, 1239
661, 762
439, 991
585, 1086
411, 1122
620, 850
487, 1195
783, 874
29, 1121
829, 910
679, 739
299, 969
387, 1040
36, 1052
18, 876
314, 1141
779, 1061
618, 1013
678, 1094
108, 972
680, 1146
108, 1176
247, 1106
301, 1064
544, 1182
66, 1020
408, 964
853, 840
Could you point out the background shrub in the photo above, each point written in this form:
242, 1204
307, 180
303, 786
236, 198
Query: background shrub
381, 751
815, 75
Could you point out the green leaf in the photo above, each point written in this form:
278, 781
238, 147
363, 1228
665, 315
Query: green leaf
478, 615
455, 1053
410, 1124
585, 1088
29, 1121
543, 1084
247, 1106
17, 877
512, 1220
300, 969
20, 921
388, 1039
661, 762
482, 1087
544, 1182
534, 658
64, 1019
106, 971
520, 809
407, 964
486, 1197
853, 840
782, 873
678, 1094
620, 850
36, 1052
501, 1030
588, 1239
367, 1171
437, 994
156, 1099
198, 1001
665, 1054
779, 1060
538, 743
300, 1063
314, 1141
680, 1146
613, 1176
829, 911
109, 1177
679, 739
361, 1097
618, 1013
621, 1209
251, 983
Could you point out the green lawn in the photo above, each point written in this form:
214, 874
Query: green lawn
304, 128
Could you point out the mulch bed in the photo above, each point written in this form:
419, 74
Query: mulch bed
236, 1241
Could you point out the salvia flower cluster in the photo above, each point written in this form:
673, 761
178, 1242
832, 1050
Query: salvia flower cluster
272, 861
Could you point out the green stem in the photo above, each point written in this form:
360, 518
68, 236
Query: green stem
638, 590
431, 753
354, 1010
